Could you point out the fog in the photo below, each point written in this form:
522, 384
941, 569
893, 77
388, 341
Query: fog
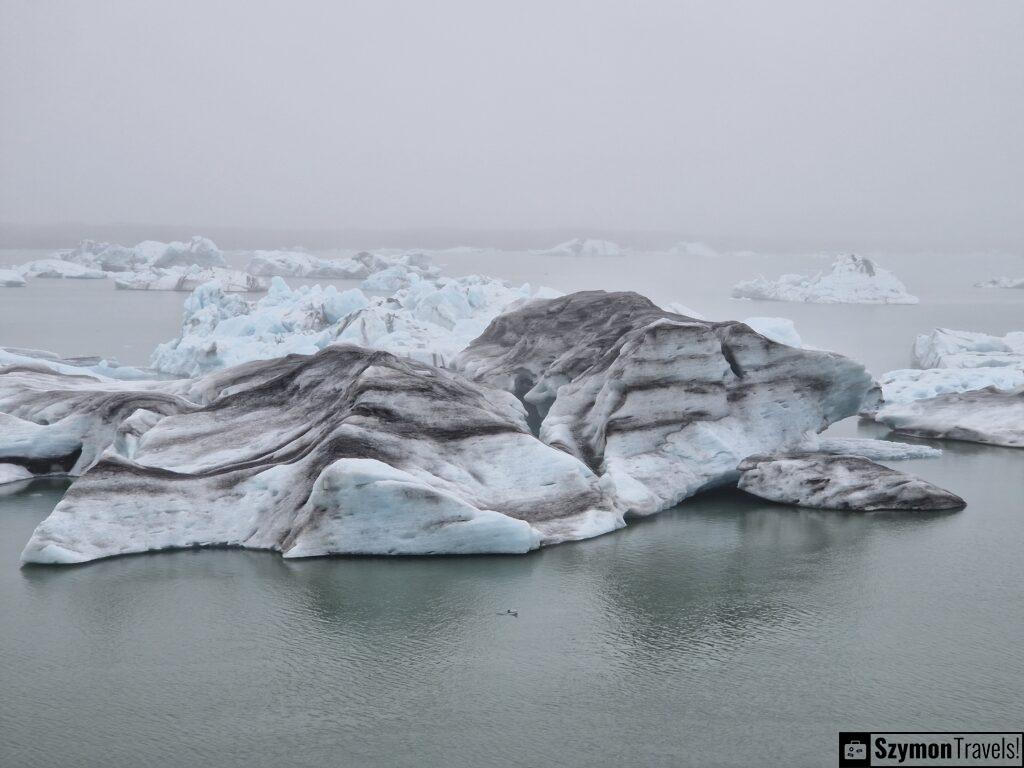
891, 121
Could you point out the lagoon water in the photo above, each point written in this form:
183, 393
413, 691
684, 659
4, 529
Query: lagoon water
727, 631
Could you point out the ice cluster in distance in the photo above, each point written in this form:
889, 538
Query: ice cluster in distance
431, 321
852, 280
584, 247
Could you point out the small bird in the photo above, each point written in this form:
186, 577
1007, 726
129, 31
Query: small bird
510, 612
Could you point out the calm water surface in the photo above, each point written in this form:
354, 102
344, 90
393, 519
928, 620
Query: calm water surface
724, 632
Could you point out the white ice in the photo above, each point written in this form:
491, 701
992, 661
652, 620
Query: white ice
852, 280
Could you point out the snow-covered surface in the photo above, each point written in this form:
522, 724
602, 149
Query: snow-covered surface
661, 406
584, 247
826, 481
189, 278
852, 280
991, 415
348, 451
431, 321
58, 268
946, 348
1001, 282
868, 448
10, 278
906, 384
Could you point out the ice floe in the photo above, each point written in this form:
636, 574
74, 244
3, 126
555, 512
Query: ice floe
852, 280
10, 278
189, 278
868, 448
946, 348
906, 384
584, 247
1001, 282
826, 481
989, 415
58, 268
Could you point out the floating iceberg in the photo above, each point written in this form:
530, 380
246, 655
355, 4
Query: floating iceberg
199, 251
907, 384
990, 415
188, 279
867, 448
584, 247
825, 481
12, 473
853, 280
659, 405
300, 264
109, 257
431, 321
72, 366
58, 268
10, 278
945, 348
693, 250
348, 451
1002, 282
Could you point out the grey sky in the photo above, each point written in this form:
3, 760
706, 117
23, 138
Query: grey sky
888, 119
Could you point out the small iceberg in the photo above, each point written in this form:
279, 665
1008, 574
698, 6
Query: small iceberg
1001, 282
826, 481
10, 278
58, 268
190, 278
852, 280
584, 247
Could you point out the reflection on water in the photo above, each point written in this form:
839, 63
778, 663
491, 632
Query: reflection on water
727, 630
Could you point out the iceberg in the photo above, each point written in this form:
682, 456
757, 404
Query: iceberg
431, 321
199, 251
347, 451
106, 257
693, 250
945, 348
10, 278
301, 264
853, 280
993, 416
584, 247
867, 448
13, 473
659, 405
188, 279
907, 384
825, 481
1001, 282
58, 268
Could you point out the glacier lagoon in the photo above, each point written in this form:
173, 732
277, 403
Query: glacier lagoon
723, 611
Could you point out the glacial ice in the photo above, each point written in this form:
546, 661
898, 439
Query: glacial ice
11, 278
852, 280
1001, 282
431, 321
945, 348
993, 416
867, 448
907, 384
12, 473
188, 279
346, 451
659, 405
584, 247
58, 268
110, 257
301, 264
826, 481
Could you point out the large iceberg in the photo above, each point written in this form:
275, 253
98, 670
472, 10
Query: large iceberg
347, 451
661, 406
301, 264
188, 279
825, 481
109, 257
430, 321
584, 247
907, 384
852, 280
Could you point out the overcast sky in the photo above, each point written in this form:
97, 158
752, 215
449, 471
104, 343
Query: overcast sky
771, 118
